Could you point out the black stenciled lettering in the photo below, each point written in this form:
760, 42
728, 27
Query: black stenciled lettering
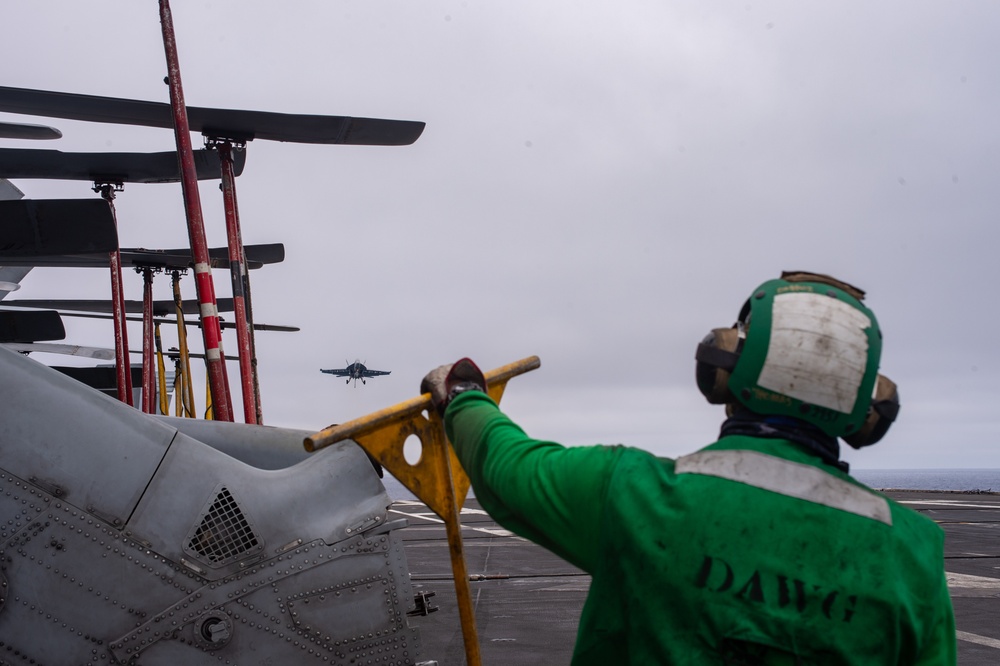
717, 575
707, 565
852, 601
828, 604
784, 598
800, 595
785, 594
701, 580
752, 589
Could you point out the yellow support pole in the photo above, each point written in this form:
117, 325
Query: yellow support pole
188, 395
179, 389
209, 408
161, 372
437, 478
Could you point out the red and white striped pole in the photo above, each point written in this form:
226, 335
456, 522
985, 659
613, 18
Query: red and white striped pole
211, 331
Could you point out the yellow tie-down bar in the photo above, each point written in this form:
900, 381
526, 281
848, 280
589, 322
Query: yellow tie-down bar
437, 478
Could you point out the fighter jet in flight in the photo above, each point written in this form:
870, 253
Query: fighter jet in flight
355, 371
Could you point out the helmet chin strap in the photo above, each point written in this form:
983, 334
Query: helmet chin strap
745, 422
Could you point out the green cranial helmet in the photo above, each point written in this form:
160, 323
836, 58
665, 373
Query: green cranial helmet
807, 349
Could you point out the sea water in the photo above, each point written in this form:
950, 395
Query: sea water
983, 480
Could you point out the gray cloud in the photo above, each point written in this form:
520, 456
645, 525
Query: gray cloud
599, 185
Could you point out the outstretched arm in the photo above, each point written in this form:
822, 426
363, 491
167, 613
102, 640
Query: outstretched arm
541, 490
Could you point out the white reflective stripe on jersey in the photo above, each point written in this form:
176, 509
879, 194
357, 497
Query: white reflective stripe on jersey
787, 478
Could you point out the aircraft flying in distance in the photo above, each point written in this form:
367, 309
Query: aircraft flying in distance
355, 371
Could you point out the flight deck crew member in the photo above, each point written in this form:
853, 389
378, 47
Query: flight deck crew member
759, 549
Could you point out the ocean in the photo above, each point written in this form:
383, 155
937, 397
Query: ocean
982, 480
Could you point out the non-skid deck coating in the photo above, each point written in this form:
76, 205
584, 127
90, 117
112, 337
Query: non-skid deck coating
528, 601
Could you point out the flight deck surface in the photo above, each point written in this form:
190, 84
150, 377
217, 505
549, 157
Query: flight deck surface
528, 601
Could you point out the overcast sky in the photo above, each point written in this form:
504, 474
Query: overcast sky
599, 184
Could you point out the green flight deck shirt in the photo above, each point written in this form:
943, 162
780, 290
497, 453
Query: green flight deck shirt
750, 551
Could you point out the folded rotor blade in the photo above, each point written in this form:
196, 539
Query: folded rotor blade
180, 259
99, 353
160, 308
102, 378
36, 326
220, 123
193, 322
256, 256
110, 167
31, 228
27, 131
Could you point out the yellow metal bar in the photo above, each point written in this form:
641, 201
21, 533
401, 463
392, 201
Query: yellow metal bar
496, 379
178, 389
436, 478
209, 408
188, 394
161, 372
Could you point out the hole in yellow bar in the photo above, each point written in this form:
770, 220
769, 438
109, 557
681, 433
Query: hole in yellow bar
413, 449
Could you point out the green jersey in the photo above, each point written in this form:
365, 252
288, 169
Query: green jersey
750, 551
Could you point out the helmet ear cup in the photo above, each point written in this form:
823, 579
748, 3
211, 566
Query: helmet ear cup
881, 414
716, 358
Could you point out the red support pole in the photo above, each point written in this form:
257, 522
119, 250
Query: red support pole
123, 369
211, 331
148, 371
248, 301
238, 270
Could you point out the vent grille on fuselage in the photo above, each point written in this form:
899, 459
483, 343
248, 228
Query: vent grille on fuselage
224, 533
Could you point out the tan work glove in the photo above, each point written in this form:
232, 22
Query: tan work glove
447, 381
